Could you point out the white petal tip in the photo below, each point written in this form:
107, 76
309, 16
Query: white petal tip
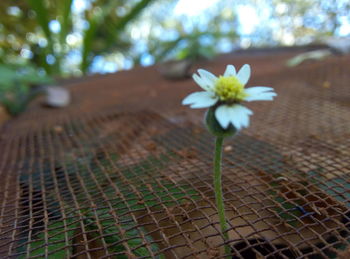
243, 74
230, 71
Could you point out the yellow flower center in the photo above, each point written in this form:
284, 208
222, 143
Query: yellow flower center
228, 88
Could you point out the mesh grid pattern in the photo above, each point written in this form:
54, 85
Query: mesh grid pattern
134, 179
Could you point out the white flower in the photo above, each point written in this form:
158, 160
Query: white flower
227, 92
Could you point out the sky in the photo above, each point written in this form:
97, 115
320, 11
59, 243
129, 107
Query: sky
247, 15
192, 8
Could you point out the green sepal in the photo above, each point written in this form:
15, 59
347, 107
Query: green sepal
215, 128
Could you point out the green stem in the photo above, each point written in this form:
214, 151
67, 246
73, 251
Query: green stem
218, 191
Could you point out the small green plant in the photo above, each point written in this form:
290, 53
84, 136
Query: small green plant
17, 86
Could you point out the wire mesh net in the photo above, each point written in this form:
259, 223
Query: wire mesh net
132, 177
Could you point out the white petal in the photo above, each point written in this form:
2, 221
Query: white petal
268, 96
236, 118
239, 116
208, 77
222, 116
257, 89
200, 99
243, 74
201, 82
259, 93
230, 71
236, 114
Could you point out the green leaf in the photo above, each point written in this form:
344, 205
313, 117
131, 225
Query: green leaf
41, 13
15, 86
43, 19
112, 235
65, 19
165, 192
113, 29
89, 35
57, 237
134, 12
7, 75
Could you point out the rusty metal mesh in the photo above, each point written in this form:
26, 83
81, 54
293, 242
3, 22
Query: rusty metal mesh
132, 177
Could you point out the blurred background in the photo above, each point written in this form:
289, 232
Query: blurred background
45, 40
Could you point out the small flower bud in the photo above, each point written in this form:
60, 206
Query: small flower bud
214, 126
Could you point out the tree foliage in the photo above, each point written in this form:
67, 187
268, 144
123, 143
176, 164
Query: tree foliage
28, 34
62, 39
